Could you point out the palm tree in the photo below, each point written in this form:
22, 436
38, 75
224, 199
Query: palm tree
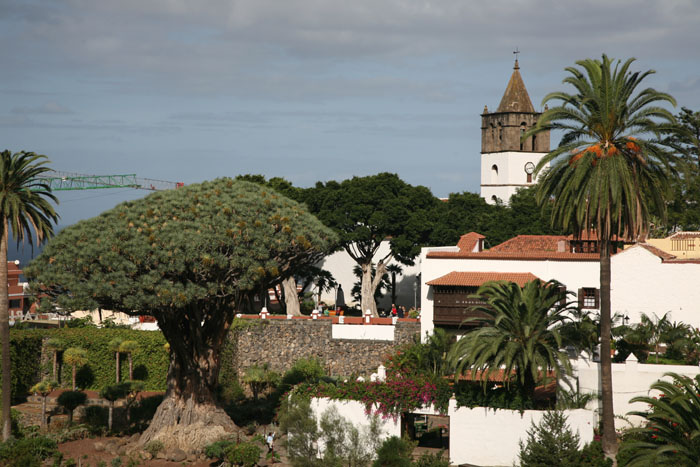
44, 388
75, 356
129, 347
671, 434
521, 334
609, 173
25, 210
114, 345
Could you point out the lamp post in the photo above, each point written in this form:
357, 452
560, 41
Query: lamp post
415, 293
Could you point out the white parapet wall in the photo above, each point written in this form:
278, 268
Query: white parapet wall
630, 379
478, 436
354, 412
363, 332
483, 436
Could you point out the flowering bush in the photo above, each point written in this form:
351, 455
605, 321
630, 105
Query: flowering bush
396, 395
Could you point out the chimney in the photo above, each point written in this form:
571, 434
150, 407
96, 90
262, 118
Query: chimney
561, 246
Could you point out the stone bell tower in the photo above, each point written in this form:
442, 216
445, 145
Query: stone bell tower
507, 161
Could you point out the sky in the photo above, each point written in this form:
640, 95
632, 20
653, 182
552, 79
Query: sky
308, 90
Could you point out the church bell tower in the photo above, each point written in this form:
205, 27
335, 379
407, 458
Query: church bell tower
508, 161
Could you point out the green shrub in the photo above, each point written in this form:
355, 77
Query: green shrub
153, 447
245, 454
394, 452
25, 349
304, 370
432, 460
550, 442
592, 455
27, 452
217, 450
71, 400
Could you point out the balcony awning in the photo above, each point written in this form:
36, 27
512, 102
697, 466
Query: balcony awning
476, 279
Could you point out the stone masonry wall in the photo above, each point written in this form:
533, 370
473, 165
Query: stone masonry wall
282, 342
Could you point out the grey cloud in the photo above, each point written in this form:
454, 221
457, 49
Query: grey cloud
50, 108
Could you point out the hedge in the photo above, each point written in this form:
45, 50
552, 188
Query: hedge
150, 362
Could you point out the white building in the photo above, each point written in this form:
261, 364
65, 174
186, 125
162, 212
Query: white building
644, 279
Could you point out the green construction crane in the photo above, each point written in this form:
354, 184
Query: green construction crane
62, 181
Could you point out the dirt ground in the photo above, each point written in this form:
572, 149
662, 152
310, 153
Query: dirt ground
84, 453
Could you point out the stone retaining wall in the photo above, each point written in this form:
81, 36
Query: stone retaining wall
282, 342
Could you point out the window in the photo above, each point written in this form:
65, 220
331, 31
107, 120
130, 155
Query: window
534, 139
522, 133
15, 304
500, 132
683, 244
588, 297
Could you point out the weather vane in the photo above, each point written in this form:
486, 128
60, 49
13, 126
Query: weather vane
516, 52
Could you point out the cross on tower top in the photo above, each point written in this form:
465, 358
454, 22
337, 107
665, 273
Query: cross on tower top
516, 52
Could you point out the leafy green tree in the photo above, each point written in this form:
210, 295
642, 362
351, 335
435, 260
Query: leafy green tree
364, 211
550, 442
191, 258
111, 394
114, 345
609, 173
521, 334
129, 347
684, 204
44, 388
26, 211
297, 419
56, 346
671, 434
394, 452
71, 400
260, 378
75, 357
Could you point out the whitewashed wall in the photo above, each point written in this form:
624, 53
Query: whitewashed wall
482, 436
354, 412
363, 332
642, 283
340, 264
573, 274
630, 379
478, 436
511, 173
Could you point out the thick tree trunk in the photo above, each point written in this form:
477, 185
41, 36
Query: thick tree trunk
5, 337
55, 365
131, 367
75, 372
367, 292
291, 298
190, 416
119, 366
370, 284
609, 439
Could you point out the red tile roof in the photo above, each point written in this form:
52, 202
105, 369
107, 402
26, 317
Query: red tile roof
475, 279
524, 247
467, 242
684, 235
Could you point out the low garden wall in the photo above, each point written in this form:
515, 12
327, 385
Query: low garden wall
478, 436
345, 349
630, 379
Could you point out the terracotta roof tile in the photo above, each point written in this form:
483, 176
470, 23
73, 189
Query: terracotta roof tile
475, 279
467, 242
684, 235
533, 243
